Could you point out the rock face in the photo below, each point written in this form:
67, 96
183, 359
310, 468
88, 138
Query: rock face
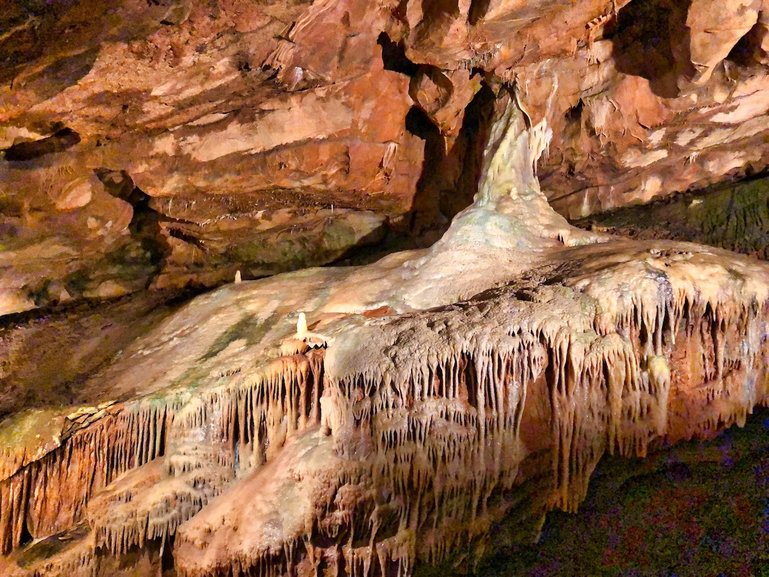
733, 216
168, 143
145, 150
358, 420
349, 428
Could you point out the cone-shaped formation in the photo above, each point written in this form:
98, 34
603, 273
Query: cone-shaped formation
396, 417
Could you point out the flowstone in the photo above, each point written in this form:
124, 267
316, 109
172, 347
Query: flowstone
396, 418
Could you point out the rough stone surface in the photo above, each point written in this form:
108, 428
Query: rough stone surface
732, 216
360, 420
229, 135
373, 419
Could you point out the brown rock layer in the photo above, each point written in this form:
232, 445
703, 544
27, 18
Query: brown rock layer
166, 143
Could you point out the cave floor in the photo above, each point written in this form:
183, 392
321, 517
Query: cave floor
698, 509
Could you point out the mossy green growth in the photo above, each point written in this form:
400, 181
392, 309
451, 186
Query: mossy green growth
733, 216
249, 328
32, 428
737, 218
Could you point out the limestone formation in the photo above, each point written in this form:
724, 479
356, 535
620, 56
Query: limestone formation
516, 347
365, 420
168, 144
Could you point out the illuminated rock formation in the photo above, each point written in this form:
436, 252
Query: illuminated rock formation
363, 421
168, 142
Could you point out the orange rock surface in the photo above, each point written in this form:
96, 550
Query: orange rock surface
361, 420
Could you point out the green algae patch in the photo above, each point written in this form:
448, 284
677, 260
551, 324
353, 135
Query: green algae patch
249, 328
32, 428
29, 435
734, 217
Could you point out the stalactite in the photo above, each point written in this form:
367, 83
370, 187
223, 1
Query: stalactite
51, 494
217, 435
403, 439
438, 416
442, 406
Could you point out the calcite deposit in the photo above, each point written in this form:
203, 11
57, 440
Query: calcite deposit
380, 418
322, 421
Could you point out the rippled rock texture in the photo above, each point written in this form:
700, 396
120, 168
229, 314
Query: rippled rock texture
364, 420
168, 143
369, 420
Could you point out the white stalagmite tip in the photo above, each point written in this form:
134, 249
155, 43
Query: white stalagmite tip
301, 326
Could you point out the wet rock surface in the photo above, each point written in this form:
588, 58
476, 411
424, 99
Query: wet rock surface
321, 421
364, 420
257, 132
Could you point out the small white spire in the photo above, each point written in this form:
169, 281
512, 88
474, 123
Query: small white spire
301, 326
238, 278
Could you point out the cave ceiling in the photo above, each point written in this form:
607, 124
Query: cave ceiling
167, 144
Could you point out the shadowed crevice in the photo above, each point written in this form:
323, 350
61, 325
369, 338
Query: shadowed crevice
651, 40
59, 141
394, 56
478, 9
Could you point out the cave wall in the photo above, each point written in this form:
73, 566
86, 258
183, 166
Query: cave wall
170, 143
362, 420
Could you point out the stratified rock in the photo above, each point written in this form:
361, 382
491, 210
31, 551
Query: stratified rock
232, 115
180, 99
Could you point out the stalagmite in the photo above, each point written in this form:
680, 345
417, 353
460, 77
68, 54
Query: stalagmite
301, 326
515, 349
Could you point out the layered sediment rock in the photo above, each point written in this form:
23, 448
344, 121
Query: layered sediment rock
169, 143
